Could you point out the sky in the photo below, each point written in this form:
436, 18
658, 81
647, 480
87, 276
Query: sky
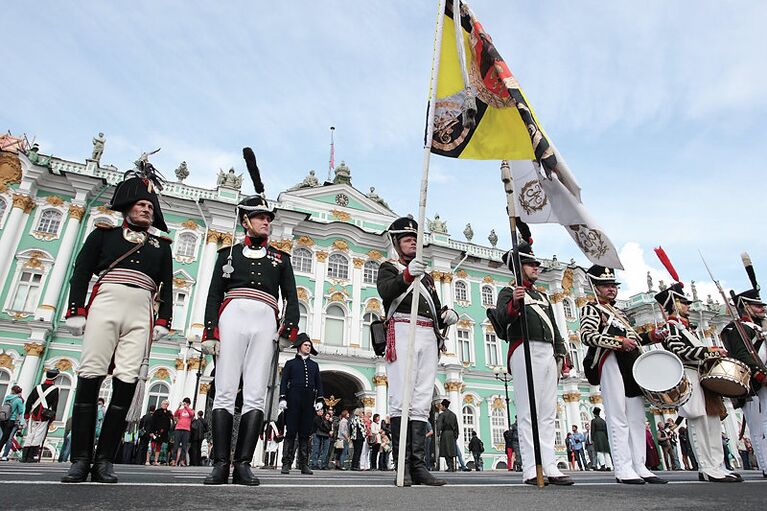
658, 107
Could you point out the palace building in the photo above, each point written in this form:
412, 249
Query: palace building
336, 235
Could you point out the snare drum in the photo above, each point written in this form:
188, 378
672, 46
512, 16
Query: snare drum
726, 376
660, 374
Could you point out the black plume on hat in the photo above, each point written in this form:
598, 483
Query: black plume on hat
255, 174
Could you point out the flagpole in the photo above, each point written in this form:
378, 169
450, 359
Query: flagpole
331, 161
510, 208
408, 384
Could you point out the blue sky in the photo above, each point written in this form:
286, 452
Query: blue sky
659, 107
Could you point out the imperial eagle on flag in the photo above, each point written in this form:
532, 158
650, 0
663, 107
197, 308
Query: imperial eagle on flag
481, 113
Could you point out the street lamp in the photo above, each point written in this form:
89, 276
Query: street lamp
190, 347
502, 375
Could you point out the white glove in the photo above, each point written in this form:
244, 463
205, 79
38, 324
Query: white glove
76, 325
211, 347
285, 343
449, 317
416, 268
159, 332
282, 406
318, 406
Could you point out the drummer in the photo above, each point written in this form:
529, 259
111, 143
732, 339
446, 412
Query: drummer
704, 409
609, 361
752, 310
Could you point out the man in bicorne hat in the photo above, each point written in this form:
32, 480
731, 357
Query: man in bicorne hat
300, 398
40, 411
752, 311
613, 344
395, 285
133, 265
547, 352
250, 279
703, 410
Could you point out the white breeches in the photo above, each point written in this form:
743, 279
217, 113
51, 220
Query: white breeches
755, 413
422, 375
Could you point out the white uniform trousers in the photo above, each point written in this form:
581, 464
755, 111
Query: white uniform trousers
625, 417
705, 431
545, 381
36, 433
423, 373
247, 329
755, 413
119, 324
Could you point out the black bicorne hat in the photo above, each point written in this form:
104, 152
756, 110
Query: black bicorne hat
750, 297
401, 227
674, 292
140, 184
302, 338
601, 275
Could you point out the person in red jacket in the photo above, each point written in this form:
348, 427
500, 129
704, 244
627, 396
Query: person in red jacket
183, 417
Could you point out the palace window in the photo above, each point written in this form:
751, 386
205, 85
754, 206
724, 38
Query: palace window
461, 291
303, 318
50, 221
64, 383
487, 296
491, 349
338, 267
585, 419
498, 425
370, 272
3, 208
302, 260
5, 382
567, 305
575, 356
27, 292
365, 337
464, 346
335, 325
180, 299
186, 245
469, 424
105, 392
158, 392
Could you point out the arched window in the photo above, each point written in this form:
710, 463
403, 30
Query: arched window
338, 267
158, 392
303, 318
370, 272
186, 245
5, 382
335, 325
498, 424
575, 356
105, 392
302, 260
568, 306
64, 382
365, 337
50, 220
487, 296
469, 424
491, 349
461, 291
3, 208
27, 292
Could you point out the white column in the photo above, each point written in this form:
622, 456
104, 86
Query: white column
56, 284
207, 262
319, 293
451, 343
559, 316
179, 384
191, 378
202, 396
22, 205
572, 398
381, 382
30, 367
357, 302
453, 388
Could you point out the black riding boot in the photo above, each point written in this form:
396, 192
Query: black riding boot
112, 431
251, 425
83, 428
288, 451
222, 446
303, 456
417, 441
396, 423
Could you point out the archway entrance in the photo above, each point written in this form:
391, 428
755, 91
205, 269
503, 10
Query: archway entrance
341, 386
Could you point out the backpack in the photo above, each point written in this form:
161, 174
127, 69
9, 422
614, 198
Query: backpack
5, 411
481, 445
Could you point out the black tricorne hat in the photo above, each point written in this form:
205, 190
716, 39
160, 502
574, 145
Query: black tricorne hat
674, 292
601, 275
749, 297
302, 338
401, 227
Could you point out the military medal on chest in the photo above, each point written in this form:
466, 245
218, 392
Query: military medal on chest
134, 236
